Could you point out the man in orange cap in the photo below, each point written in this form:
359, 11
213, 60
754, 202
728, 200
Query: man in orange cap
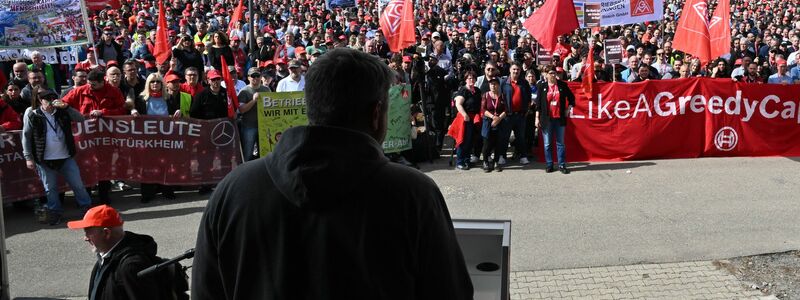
120, 255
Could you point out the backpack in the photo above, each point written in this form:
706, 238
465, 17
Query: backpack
173, 281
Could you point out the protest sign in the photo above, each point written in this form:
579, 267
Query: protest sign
29, 24
593, 13
398, 134
278, 112
543, 56
684, 118
613, 51
146, 149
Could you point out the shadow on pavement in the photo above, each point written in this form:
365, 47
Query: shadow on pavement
21, 219
585, 166
38, 298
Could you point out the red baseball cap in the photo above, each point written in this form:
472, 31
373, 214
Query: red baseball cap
213, 74
406, 58
172, 77
98, 216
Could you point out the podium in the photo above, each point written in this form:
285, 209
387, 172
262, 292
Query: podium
486, 247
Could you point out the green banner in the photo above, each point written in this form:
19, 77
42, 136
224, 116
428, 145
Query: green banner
278, 112
398, 135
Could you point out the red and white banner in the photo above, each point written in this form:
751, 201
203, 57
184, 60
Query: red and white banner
138, 149
683, 118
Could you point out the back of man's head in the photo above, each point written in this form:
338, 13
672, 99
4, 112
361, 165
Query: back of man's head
343, 88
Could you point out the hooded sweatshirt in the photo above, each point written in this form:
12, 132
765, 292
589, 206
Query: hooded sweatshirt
326, 216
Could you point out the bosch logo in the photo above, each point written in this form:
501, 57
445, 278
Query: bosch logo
726, 139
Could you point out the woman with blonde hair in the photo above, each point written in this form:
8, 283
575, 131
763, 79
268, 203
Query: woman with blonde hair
153, 101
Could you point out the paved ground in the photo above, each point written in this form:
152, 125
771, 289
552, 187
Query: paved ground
686, 280
601, 215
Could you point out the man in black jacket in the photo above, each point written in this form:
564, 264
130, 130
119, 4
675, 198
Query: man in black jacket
325, 215
211, 103
120, 256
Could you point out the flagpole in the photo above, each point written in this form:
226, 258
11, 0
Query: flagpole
89, 32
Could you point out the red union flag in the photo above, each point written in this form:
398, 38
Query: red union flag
720, 30
397, 24
641, 7
691, 35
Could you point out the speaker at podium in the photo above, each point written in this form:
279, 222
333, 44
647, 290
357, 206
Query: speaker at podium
486, 245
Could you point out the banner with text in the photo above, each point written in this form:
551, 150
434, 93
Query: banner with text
278, 112
684, 118
592, 13
28, 24
398, 133
145, 149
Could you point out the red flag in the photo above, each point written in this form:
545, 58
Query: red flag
554, 18
456, 130
588, 74
692, 36
230, 87
237, 15
397, 24
719, 29
163, 48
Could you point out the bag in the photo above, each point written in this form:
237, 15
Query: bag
173, 282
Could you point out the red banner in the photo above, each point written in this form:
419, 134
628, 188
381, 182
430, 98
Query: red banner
684, 118
138, 149
95, 5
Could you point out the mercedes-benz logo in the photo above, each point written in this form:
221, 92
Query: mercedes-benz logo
726, 139
223, 134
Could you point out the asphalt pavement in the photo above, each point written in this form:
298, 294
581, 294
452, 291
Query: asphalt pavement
603, 214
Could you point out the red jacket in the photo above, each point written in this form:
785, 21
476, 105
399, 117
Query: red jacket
9, 119
108, 99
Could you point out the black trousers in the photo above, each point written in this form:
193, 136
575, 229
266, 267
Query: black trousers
491, 145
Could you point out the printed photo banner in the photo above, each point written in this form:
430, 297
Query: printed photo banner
26, 24
592, 13
398, 134
145, 149
683, 118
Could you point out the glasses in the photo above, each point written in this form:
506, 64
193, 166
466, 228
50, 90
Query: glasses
255, 75
216, 79
155, 81
190, 74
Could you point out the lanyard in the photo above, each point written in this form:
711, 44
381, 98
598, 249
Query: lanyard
51, 125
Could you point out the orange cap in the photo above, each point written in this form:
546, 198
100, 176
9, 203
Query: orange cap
98, 216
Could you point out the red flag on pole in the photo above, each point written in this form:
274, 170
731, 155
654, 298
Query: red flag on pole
230, 88
587, 82
692, 36
720, 30
237, 15
554, 18
162, 48
397, 24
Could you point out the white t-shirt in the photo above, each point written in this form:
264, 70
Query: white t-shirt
289, 85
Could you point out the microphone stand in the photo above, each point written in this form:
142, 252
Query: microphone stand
155, 268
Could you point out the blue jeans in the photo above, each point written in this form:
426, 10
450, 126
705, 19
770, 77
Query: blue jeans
465, 148
554, 127
249, 140
516, 123
72, 175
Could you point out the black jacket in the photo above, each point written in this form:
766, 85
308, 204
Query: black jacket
326, 216
116, 279
566, 98
207, 106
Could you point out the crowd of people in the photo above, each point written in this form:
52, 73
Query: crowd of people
472, 58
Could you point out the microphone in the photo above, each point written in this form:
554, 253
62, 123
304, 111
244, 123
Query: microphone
157, 267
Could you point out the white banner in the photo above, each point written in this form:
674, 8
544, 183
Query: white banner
69, 57
619, 12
